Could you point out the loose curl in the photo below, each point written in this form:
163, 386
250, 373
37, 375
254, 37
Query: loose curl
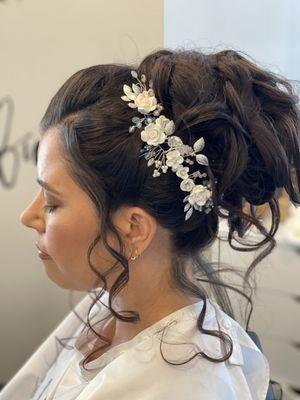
250, 122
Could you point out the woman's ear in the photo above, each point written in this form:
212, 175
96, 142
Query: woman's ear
136, 226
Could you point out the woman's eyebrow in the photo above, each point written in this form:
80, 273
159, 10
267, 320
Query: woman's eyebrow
47, 187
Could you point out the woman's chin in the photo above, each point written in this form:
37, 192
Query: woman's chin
55, 274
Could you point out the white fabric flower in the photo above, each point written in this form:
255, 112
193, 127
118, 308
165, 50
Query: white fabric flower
166, 125
153, 135
182, 172
162, 121
187, 185
174, 159
174, 141
185, 149
145, 102
199, 195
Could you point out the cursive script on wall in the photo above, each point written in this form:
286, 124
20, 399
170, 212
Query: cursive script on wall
12, 155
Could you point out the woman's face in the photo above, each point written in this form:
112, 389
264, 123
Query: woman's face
65, 231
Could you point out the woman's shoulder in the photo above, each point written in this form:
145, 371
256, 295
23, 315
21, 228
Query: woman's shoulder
177, 339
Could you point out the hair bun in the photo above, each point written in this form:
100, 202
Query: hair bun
257, 185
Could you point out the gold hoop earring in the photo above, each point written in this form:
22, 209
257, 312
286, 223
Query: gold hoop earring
136, 256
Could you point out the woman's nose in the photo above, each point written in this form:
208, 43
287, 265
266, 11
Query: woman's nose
24, 217
32, 216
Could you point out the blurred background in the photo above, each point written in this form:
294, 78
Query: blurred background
42, 43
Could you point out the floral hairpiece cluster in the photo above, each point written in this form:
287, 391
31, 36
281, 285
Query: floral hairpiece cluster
158, 130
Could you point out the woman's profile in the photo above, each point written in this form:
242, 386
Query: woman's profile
136, 166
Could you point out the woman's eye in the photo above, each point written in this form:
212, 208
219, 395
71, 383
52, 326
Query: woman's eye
49, 209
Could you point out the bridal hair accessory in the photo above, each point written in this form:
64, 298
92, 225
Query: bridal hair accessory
159, 130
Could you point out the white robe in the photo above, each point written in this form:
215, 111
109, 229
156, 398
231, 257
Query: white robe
135, 370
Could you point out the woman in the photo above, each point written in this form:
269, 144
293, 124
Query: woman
136, 167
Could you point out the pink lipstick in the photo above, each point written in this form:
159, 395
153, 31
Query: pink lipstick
41, 254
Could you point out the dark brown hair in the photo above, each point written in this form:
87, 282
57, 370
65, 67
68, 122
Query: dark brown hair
249, 119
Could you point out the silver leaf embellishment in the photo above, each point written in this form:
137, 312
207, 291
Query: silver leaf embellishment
187, 206
202, 159
189, 213
136, 88
199, 144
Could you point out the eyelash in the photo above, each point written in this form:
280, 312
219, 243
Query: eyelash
50, 209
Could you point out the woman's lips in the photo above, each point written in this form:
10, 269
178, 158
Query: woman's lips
41, 254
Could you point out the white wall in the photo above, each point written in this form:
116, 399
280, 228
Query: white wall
268, 30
